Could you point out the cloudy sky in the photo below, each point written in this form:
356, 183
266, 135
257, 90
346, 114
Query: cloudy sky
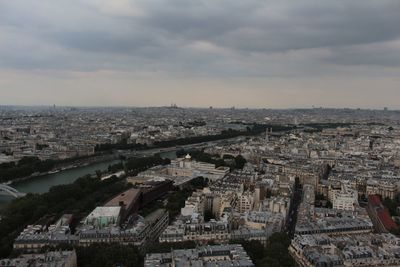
244, 53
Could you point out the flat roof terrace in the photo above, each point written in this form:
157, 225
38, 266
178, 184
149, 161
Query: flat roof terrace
126, 199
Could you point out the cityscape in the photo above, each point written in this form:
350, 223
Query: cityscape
199, 133
201, 187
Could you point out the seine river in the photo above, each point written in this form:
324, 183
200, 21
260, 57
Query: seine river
42, 184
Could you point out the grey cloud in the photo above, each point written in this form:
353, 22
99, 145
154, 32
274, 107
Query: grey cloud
103, 42
383, 55
285, 25
247, 34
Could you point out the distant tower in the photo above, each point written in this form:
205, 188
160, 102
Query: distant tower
268, 131
257, 196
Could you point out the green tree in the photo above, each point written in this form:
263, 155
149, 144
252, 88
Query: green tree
275, 253
107, 255
391, 205
208, 215
240, 162
98, 174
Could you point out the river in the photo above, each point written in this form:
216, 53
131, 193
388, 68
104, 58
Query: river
42, 184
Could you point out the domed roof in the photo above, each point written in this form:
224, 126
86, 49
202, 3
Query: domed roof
188, 156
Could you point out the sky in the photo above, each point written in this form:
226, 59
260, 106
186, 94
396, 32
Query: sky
221, 53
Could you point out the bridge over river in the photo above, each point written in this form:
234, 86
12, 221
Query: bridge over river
6, 190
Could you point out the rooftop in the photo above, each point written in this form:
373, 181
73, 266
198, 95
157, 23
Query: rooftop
105, 212
126, 198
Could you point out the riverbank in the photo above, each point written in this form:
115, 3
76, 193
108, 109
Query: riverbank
65, 173
75, 169
67, 166
42, 183
113, 155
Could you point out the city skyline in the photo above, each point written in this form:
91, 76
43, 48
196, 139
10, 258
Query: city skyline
174, 105
150, 53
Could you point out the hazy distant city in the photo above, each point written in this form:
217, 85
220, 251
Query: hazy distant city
65, 132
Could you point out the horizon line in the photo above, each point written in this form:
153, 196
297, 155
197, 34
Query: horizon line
203, 107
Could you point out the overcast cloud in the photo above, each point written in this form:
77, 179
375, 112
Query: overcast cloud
270, 51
